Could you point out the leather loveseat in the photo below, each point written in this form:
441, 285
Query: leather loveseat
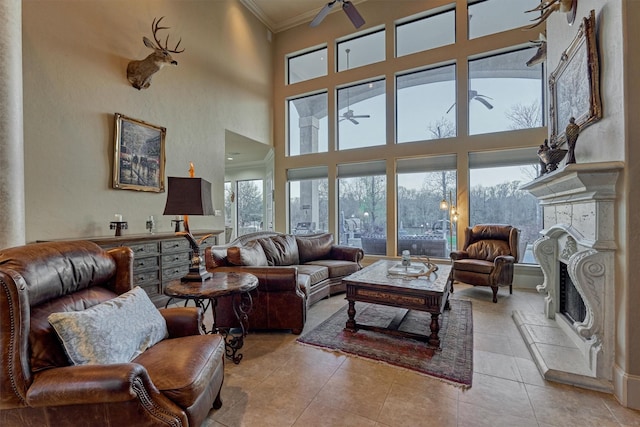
294, 272
174, 382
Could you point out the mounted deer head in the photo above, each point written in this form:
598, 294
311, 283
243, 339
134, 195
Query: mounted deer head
139, 73
547, 7
541, 53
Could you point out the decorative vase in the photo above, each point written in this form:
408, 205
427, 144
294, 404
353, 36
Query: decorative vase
552, 157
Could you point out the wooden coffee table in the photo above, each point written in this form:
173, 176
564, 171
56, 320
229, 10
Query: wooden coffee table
204, 295
373, 284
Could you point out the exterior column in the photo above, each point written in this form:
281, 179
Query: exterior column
309, 200
12, 201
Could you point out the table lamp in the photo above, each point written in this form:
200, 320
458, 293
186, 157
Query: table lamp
190, 196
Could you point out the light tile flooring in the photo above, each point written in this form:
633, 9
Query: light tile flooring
282, 383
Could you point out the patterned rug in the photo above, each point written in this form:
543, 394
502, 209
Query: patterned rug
452, 362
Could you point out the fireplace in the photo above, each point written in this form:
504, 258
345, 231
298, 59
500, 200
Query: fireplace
573, 341
571, 303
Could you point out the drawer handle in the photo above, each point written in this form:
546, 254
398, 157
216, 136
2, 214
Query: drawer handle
140, 250
141, 263
175, 245
176, 258
140, 278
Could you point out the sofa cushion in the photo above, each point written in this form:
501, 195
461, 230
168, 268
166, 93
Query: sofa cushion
488, 249
219, 257
337, 268
184, 376
316, 273
312, 248
280, 250
115, 331
251, 254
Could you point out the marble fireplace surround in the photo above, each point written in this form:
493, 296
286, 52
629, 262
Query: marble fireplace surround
578, 204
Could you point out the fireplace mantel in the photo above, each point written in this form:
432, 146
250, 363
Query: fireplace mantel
578, 202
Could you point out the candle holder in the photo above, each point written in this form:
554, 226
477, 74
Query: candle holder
177, 224
118, 226
151, 224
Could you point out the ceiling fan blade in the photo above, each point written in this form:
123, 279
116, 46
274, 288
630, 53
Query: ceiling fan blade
352, 13
355, 122
323, 13
362, 116
484, 102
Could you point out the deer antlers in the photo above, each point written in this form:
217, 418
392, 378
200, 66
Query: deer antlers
547, 7
155, 27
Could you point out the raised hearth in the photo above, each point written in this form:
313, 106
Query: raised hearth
573, 341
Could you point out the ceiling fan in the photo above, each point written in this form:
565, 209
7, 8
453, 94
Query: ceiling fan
347, 7
349, 115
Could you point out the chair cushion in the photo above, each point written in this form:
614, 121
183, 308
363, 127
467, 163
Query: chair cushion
251, 254
182, 368
115, 331
488, 249
473, 266
316, 273
281, 249
337, 268
312, 248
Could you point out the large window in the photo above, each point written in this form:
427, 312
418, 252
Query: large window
424, 33
250, 205
426, 97
493, 16
505, 94
362, 202
306, 66
359, 51
308, 200
495, 197
308, 124
361, 115
424, 228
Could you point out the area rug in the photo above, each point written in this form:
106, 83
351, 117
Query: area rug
452, 362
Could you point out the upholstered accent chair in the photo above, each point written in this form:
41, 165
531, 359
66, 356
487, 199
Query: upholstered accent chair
487, 257
172, 380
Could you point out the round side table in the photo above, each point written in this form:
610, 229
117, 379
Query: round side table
204, 295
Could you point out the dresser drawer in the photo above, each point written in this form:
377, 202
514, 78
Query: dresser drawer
144, 249
142, 277
176, 258
152, 289
175, 272
209, 241
140, 264
175, 245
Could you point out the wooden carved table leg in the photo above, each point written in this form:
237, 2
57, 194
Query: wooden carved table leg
351, 321
434, 340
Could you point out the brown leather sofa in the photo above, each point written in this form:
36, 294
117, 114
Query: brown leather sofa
173, 383
487, 257
294, 272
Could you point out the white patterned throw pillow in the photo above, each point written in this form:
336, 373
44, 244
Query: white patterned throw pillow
115, 331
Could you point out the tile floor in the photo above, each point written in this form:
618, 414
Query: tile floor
282, 383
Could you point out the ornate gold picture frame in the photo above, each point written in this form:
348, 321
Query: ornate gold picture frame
139, 156
575, 84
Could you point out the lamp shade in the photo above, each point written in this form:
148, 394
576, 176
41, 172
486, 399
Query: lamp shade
188, 196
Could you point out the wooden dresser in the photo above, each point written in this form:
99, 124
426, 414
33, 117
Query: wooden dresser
158, 258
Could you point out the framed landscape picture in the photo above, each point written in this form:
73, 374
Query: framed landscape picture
139, 156
575, 84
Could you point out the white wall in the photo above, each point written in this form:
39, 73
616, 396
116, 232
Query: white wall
75, 55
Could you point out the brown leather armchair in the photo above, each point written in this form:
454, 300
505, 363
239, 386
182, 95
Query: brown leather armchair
173, 383
487, 258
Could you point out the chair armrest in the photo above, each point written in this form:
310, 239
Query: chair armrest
502, 273
182, 321
456, 255
346, 253
88, 384
270, 279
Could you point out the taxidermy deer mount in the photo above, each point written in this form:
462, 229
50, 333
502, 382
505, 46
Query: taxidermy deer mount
541, 53
547, 7
139, 73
